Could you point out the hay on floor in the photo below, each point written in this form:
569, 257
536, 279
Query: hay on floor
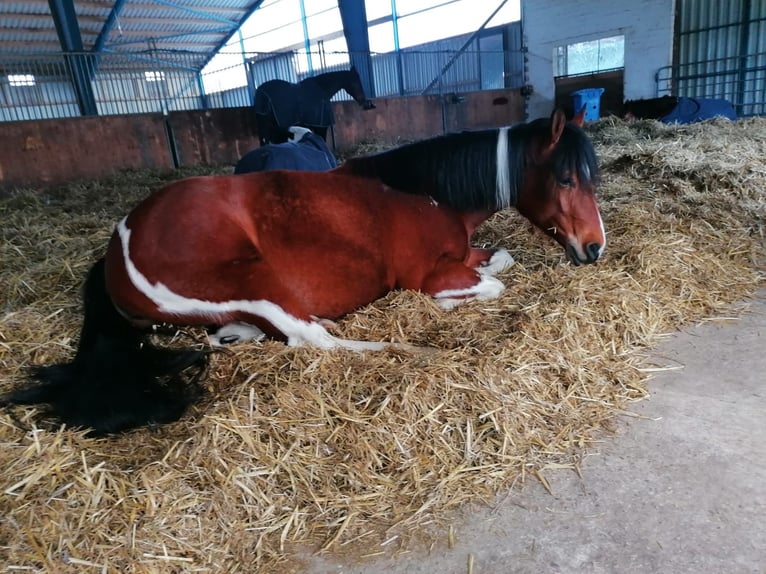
340, 450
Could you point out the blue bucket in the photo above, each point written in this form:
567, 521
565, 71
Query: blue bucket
591, 99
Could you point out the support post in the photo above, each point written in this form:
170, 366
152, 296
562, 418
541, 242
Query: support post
78, 64
354, 16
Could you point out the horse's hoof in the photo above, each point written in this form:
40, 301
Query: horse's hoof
235, 333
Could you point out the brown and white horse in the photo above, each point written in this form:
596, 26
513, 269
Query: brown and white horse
283, 253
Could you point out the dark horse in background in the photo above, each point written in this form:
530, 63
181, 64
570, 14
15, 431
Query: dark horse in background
304, 151
678, 110
283, 253
280, 104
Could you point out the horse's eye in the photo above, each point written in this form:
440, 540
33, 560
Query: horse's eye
566, 182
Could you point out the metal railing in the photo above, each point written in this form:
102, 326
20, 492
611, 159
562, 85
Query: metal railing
741, 80
41, 86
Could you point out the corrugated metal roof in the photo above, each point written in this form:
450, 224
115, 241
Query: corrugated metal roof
197, 26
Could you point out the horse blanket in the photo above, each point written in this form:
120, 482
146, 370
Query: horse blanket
690, 110
305, 103
309, 153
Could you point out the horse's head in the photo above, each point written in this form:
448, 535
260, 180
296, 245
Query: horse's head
558, 192
356, 90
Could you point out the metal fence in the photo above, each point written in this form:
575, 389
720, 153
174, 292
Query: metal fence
741, 80
39, 86
719, 53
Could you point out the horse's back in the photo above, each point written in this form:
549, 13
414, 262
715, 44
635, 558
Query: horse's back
311, 153
304, 103
322, 242
691, 110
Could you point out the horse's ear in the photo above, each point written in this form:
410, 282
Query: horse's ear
558, 122
579, 118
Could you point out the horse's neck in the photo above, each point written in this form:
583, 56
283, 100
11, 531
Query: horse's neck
331, 82
452, 172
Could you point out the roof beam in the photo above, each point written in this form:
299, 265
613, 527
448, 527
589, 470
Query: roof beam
463, 48
250, 11
201, 13
65, 18
67, 28
26, 45
159, 20
152, 6
106, 30
46, 18
153, 61
143, 38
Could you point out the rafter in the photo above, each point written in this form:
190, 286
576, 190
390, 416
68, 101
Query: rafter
256, 4
141, 37
106, 30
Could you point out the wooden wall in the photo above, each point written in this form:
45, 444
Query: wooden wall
48, 152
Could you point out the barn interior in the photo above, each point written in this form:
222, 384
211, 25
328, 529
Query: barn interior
306, 460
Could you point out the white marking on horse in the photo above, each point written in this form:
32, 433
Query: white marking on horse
503, 175
603, 234
500, 261
297, 331
578, 244
298, 132
487, 288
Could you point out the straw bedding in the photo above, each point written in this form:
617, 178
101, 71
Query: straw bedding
359, 453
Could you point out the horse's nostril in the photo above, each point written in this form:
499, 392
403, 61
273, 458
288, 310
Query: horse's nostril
593, 250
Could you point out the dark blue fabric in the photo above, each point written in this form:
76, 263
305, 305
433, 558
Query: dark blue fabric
294, 104
690, 110
309, 154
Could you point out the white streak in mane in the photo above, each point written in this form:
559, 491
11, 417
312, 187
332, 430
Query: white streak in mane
503, 181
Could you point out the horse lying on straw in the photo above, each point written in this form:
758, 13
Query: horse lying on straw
282, 253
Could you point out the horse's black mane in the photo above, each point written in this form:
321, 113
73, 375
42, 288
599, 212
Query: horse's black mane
460, 169
575, 154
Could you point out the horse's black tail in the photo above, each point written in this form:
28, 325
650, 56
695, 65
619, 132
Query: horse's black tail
117, 379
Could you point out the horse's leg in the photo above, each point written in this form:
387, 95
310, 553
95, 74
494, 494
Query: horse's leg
303, 329
489, 261
117, 380
243, 332
235, 333
264, 130
277, 311
452, 283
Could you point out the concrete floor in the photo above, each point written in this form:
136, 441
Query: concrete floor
682, 491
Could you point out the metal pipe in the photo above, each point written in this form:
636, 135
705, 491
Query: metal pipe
468, 42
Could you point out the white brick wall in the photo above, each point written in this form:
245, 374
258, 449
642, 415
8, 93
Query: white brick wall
646, 24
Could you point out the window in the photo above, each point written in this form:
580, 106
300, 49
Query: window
21, 79
588, 57
153, 76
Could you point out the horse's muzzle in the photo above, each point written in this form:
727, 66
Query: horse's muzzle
592, 253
